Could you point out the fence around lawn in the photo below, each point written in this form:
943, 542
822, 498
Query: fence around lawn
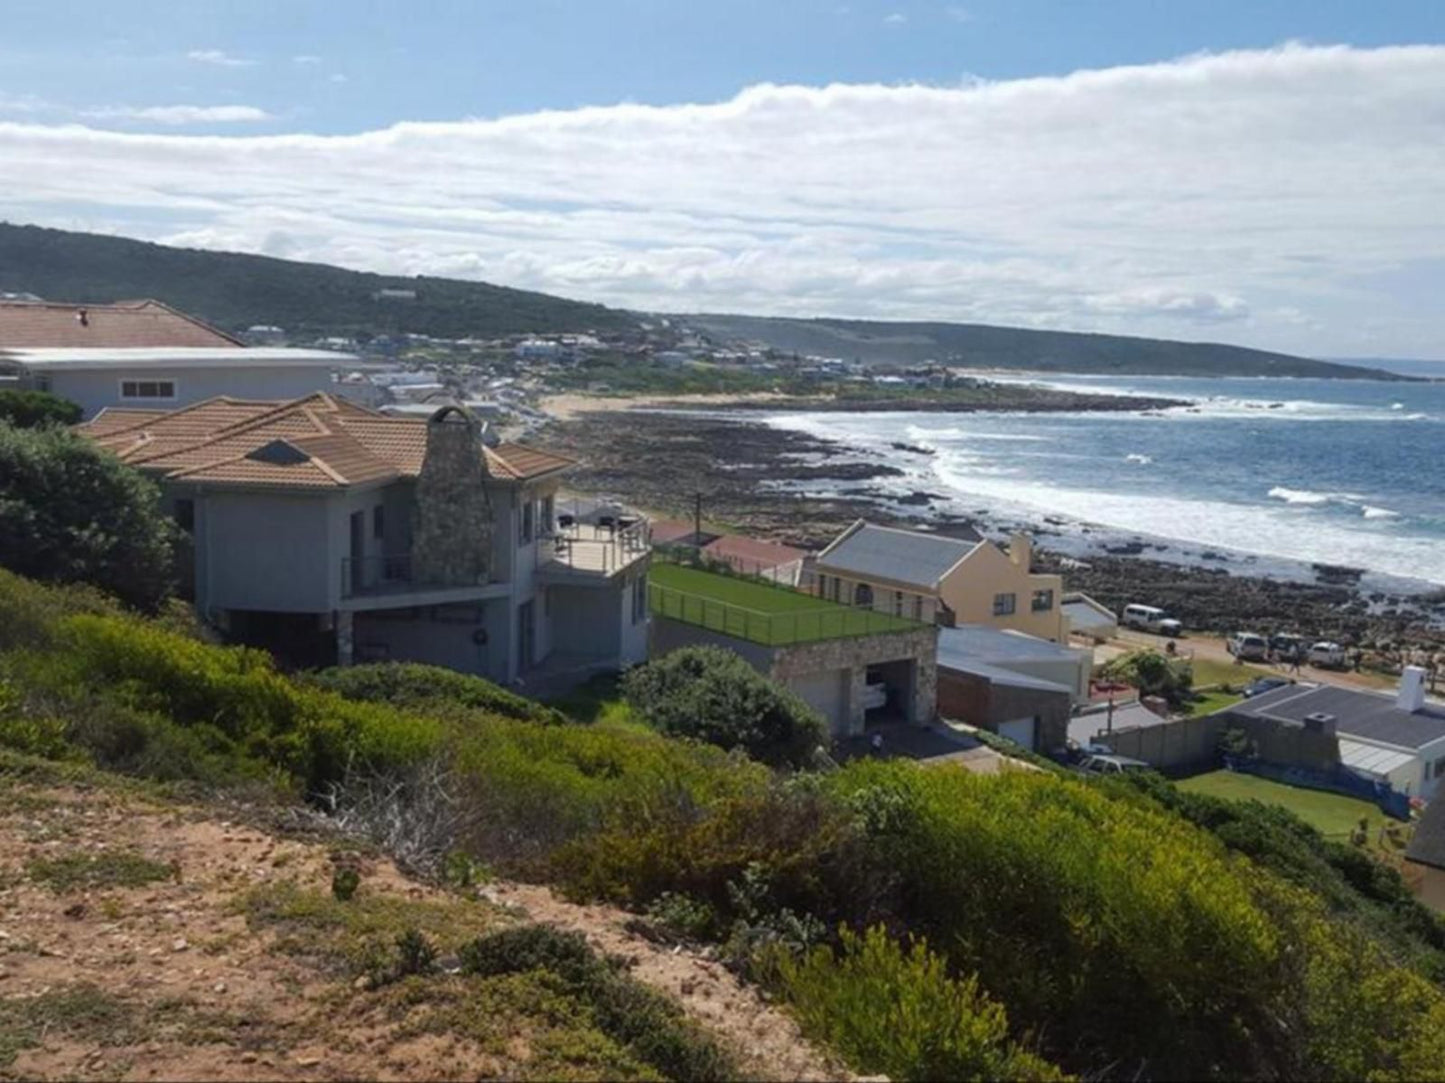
770, 629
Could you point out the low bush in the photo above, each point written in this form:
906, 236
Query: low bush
415, 686
713, 695
895, 1011
646, 1023
71, 512
32, 409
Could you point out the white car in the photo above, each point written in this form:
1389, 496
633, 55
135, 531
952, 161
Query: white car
1248, 647
1149, 618
1326, 655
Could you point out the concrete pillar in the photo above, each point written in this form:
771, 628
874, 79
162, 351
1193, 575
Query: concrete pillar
345, 637
857, 679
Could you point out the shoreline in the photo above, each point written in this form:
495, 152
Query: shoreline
762, 480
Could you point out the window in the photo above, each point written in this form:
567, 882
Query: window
1043, 601
548, 515
834, 585
1004, 605
529, 517
42, 381
863, 595
378, 522
918, 607
147, 389
898, 603
186, 515
639, 599
1439, 767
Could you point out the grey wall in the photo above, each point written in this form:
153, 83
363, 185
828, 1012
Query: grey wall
440, 636
96, 390
265, 551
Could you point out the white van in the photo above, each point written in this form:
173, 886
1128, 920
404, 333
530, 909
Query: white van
1149, 618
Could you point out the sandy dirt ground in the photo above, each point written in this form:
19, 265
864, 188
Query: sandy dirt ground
167, 979
567, 407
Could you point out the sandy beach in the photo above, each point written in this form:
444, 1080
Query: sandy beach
566, 407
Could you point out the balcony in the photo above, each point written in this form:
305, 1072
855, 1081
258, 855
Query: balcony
599, 548
384, 576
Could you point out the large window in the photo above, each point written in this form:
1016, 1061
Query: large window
898, 603
863, 595
148, 389
1043, 601
378, 522
549, 517
529, 517
1005, 605
186, 514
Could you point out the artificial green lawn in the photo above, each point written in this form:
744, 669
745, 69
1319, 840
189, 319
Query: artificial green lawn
759, 612
1334, 814
1209, 672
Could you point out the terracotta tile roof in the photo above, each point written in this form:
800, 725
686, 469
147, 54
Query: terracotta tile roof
313, 442
52, 325
114, 419
751, 552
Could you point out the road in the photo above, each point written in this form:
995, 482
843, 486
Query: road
1213, 648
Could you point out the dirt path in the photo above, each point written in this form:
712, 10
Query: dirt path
1214, 649
146, 940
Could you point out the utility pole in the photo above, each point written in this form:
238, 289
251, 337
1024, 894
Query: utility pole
697, 522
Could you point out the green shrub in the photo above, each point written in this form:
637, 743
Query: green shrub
649, 1025
898, 1013
1152, 674
70, 512
344, 882
32, 409
713, 695
416, 686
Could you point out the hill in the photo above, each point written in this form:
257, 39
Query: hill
235, 291
977, 345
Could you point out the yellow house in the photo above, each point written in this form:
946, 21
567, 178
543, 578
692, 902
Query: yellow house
943, 580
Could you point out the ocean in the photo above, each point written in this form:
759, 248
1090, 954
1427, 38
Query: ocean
1259, 476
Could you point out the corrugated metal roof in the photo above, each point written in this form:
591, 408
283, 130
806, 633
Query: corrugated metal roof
1372, 759
173, 357
994, 644
1009, 678
900, 556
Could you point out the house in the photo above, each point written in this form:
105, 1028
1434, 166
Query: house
1397, 739
745, 556
941, 579
1426, 853
146, 354
855, 667
348, 536
1017, 685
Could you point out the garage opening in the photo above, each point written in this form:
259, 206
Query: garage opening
888, 691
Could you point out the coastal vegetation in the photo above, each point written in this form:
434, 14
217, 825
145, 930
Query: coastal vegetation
1092, 928
32, 409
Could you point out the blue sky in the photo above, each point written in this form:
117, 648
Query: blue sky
370, 63
1259, 172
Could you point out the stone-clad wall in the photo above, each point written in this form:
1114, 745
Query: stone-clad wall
452, 535
856, 654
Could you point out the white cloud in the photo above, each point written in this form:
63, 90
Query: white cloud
180, 114
218, 57
337, 77
896, 18
306, 58
1271, 197
958, 14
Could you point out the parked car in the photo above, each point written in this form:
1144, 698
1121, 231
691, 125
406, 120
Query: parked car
1149, 618
1287, 647
1248, 646
1112, 765
1263, 685
1326, 655
875, 696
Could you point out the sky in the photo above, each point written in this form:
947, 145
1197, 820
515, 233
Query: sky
1265, 173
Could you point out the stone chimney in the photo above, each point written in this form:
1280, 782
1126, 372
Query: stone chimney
452, 519
1412, 689
1021, 551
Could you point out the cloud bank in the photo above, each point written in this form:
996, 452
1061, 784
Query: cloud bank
1292, 198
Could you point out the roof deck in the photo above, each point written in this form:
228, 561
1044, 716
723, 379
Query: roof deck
759, 611
595, 549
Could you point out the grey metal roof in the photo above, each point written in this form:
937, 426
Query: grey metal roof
1083, 615
1010, 678
902, 556
1370, 716
1427, 844
978, 642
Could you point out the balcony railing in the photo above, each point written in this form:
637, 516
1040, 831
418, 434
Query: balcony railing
600, 548
395, 574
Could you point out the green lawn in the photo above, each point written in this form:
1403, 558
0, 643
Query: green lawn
1208, 671
1209, 702
755, 611
1334, 814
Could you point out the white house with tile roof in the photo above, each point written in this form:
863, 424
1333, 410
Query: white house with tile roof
330, 531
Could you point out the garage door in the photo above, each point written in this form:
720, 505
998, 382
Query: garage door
1020, 731
824, 692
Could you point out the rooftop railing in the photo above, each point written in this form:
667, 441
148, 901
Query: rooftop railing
771, 629
601, 547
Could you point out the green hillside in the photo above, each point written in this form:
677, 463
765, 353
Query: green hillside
976, 345
234, 291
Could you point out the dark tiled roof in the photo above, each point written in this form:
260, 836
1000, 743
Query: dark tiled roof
49, 325
1370, 716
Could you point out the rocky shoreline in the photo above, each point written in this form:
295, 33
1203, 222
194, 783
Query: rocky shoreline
754, 478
